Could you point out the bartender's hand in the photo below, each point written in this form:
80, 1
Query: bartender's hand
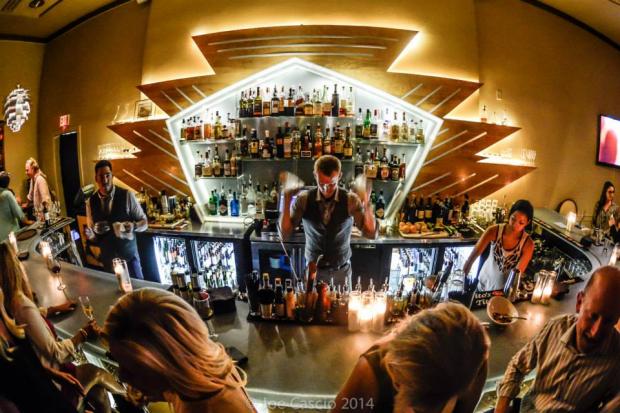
92, 330
362, 189
503, 405
128, 226
90, 234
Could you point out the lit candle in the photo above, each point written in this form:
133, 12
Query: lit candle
46, 252
548, 288
13, 241
538, 288
571, 218
353, 311
379, 308
366, 311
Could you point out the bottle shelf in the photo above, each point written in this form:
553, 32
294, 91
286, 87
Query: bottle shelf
219, 177
290, 118
288, 160
210, 141
378, 142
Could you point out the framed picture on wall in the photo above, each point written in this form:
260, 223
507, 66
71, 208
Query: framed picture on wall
144, 109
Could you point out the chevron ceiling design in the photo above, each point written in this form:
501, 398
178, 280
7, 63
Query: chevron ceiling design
363, 53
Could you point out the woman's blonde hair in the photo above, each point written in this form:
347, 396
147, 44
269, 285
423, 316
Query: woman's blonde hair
13, 279
435, 356
166, 336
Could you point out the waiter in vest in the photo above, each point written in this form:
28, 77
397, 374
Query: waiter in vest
109, 205
328, 213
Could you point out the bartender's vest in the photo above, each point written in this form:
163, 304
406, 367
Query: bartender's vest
111, 246
332, 240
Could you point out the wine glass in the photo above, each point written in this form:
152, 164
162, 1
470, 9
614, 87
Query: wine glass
55, 268
87, 308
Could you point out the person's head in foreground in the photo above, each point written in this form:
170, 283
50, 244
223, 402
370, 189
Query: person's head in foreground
163, 349
599, 309
438, 359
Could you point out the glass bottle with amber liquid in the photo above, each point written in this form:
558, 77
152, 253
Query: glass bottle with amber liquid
359, 163
275, 103
394, 168
289, 103
254, 142
266, 149
384, 167
279, 143
217, 165
327, 143
287, 143
395, 129
318, 142
348, 146
299, 102
227, 169
338, 144
335, 102
306, 149
402, 168
374, 126
258, 104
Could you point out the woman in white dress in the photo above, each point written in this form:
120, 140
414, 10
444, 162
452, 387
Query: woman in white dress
511, 247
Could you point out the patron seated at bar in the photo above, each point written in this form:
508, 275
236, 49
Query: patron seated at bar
328, 213
435, 362
511, 247
577, 357
39, 192
10, 213
113, 214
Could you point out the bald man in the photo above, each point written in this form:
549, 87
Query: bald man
577, 357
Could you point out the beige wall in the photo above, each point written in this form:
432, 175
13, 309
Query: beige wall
556, 78
88, 72
21, 63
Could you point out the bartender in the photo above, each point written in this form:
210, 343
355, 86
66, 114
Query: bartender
328, 213
113, 214
511, 247
39, 196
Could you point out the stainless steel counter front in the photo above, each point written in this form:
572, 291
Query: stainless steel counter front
287, 363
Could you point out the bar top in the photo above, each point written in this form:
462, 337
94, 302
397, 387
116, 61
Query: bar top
281, 356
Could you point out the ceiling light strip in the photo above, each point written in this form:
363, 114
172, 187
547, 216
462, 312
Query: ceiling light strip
450, 96
286, 54
184, 95
452, 184
308, 36
427, 183
164, 183
412, 91
477, 185
141, 181
172, 100
441, 132
427, 97
450, 139
475, 138
44, 12
200, 92
173, 176
272, 46
155, 145
168, 141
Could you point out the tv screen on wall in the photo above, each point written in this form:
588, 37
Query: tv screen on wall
608, 141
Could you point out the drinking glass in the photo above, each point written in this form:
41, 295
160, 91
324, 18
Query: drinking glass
122, 275
87, 308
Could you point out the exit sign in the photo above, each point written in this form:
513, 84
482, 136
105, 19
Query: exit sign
64, 121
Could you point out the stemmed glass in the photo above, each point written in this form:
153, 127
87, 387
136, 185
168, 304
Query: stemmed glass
87, 308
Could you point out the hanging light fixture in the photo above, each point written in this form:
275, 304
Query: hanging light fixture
17, 108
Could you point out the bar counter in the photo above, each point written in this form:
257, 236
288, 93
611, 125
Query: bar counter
288, 364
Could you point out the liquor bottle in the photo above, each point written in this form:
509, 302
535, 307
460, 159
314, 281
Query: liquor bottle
287, 143
258, 104
254, 145
384, 168
327, 143
374, 126
318, 142
289, 109
260, 204
217, 166
234, 205
242, 103
279, 143
223, 203
282, 102
395, 168
484, 116
428, 210
243, 203
198, 129
404, 129
370, 167
367, 124
342, 110
359, 124
326, 105
188, 131
275, 103
419, 135
290, 300
198, 165
395, 129
207, 167
227, 168
234, 165
299, 102
359, 163
348, 146
338, 144
217, 128
279, 298
402, 168
335, 101
413, 126
317, 108
251, 199
306, 148
350, 102
420, 208
213, 203
308, 105
266, 150
296, 144
266, 297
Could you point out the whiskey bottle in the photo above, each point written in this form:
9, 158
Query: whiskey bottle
198, 165
258, 104
342, 110
227, 168
380, 206
318, 142
404, 129
217, 132
299, 102
394, 168
348, 146
279, 143
374, 126
217, 165
266, 150
254, 145
287, 143
306, 148
274, 110
327, 143
326, 105
338, 144
335, 102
